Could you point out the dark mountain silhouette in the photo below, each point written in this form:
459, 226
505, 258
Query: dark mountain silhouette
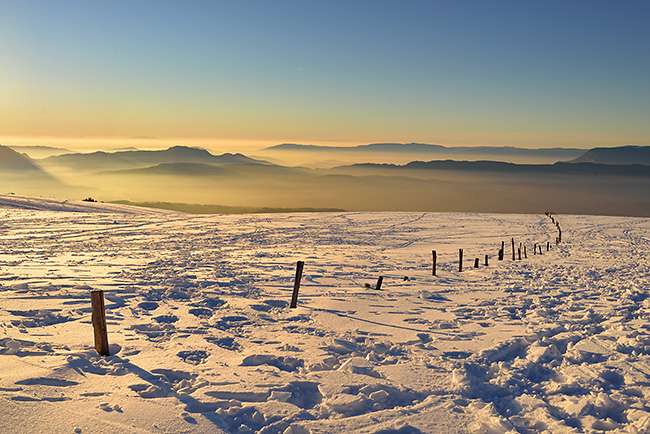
15, 165
97, 161
619, 155
423, 148
497, 167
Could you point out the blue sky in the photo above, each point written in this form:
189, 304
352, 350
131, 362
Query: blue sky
518, 73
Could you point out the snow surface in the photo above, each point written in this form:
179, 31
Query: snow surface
203, 340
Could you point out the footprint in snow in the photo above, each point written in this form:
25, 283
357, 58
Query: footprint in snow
193, 357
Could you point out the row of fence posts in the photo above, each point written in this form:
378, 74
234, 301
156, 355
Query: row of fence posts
558, 239
99, 314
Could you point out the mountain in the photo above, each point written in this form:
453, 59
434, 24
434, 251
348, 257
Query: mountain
16, 164
619, 155
97, 161
423, 148
39, 151
498, 167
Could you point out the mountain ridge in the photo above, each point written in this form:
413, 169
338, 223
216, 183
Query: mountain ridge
433, 148
102, 160
621, 155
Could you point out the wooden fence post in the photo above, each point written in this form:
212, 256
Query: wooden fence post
486, 260
501, 252
296, 285
513, 249
476, 263
460, 260
525, 254
534, 249
435, 260
548, 246
519, 253
99, 322
379, 281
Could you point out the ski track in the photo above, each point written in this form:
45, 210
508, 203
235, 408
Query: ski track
201, 333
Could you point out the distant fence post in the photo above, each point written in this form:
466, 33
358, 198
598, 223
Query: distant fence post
460, 259
548, 246
99, 322
513, 249
476, 263
379, 282
501, 252
486, 260
525, 254
296, 284
435, 260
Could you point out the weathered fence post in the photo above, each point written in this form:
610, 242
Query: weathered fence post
460, 259
379, 281
501, 252
486, 260
296, 285
534, 249
519, 253
99, 322
525, 254
476, 263
513, 249
540, 249
435, 260
548, 246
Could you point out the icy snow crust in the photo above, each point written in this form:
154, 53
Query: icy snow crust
203, 340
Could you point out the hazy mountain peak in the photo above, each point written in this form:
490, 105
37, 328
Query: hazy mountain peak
13, 161
629, 154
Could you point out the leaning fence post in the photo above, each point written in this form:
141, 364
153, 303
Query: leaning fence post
99, 322
296, 284
379, 281
460, 259
513, 249
435, 260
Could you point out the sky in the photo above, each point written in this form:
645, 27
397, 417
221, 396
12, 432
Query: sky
248, 72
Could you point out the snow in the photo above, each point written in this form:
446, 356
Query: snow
202, 339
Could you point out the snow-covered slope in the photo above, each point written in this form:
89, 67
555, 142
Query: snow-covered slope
203, 340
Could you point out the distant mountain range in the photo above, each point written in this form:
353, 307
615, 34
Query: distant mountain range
496, 167
437, 150
39, 151
104, 161
620, 155
193, 175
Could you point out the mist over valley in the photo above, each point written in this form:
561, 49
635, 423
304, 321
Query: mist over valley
196, 180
